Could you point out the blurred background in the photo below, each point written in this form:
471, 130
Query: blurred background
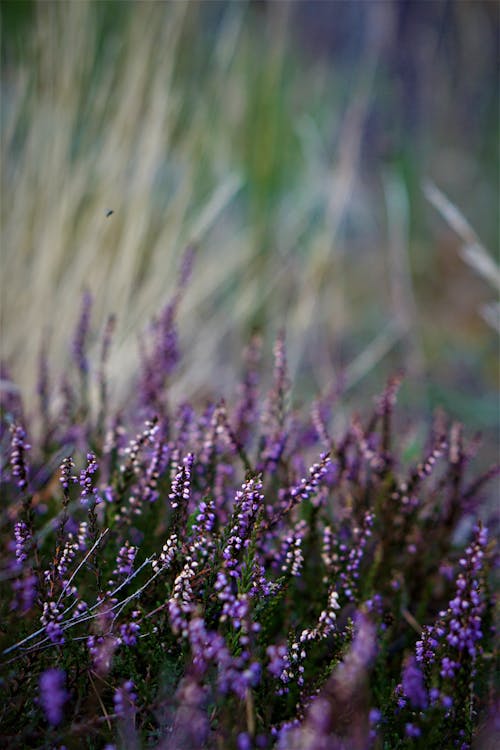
335, 164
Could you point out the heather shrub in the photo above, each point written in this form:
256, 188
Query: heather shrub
238, 572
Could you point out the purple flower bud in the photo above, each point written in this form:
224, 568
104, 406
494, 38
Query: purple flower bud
53, 694
244, 741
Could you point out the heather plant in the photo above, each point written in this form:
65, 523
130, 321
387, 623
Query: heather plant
237, 573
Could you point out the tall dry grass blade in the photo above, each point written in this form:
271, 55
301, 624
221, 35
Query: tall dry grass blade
473, 251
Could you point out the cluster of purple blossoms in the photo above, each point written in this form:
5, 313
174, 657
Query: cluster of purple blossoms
351, 558
234, 673
82, 535
149, 490
181, 603
327, 620
67, 476
167, 555
53, 694
23, 540
304, 490
18, 448
125, 699
290, 553
413, 685
458, 628
467, 607
278, 660
51, 620
286, 664
343, 559
86, 480
236, 608
181, 484
308, 486
130, 630
201, 545
24, 591
125, 560
248, 501
67, 556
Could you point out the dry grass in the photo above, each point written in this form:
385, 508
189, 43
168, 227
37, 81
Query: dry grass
222, 139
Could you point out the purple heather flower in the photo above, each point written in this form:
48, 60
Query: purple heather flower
167, 554
434, 694
181, 484
67, 477
24, 590
201, 544
446, 701
53, 694
279, 661
51, 619
412, 731
86, 477
81, 334
466, 608
248, 501
18, 448
128, 633
125, 560
124, 700
154, 471
244, 741
23, 539
448, 667
67, 556
181, 604
413, 684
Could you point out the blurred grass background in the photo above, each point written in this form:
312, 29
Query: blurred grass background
291, 142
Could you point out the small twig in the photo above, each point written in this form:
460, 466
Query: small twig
105, 713
411, 620
84, 560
